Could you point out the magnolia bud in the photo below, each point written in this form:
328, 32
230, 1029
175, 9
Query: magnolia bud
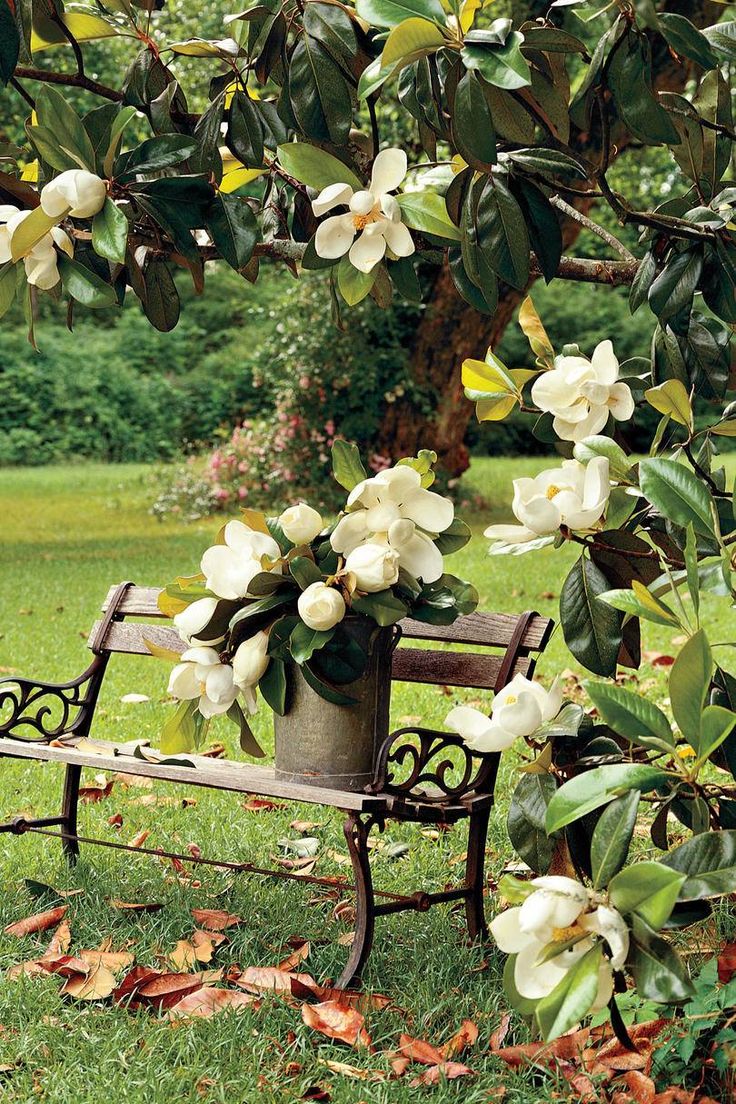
301, 523
321, 607
375, 566
75, 192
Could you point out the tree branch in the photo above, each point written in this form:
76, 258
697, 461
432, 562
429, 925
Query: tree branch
599, 231
71, 80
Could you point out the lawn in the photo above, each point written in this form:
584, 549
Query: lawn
68, 533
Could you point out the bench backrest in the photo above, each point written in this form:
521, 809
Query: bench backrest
518, 639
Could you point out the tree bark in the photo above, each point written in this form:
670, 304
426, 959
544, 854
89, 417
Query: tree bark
451, 330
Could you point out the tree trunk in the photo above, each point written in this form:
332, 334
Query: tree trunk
451, 330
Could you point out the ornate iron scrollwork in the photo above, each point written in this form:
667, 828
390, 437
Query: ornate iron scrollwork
39, 712
412, 758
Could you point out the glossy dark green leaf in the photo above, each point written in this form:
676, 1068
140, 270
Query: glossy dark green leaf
305, 641
305, 571
672, 291
208, 135
85, 286
389, 13
233, 228
245, 131
631, 715
154, 154
591, 789
60, 121
248, 743
473, 131
161, 304
543, 226
686, 40
572, 998
320, 97
689, 684
592, 629
630, 81
272, 685
347, 466
332, 27
648, 889
501, 65
709, 861
659, 973
9, 43
677, 493
503, 237
323, 688
110, 233
609, 845
641, 283
526, 821
547, 162
384, 607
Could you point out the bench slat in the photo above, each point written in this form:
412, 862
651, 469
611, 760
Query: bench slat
470, 669
488, 629
221, 774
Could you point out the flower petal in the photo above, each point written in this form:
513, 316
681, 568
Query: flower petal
422, 558
507, 933
367, 250
605, 363
389, 169
330, 197
399, 239
429, 510
183, 682
621, 402
334, 237
350, 531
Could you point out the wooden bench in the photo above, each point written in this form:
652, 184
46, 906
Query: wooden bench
421, 775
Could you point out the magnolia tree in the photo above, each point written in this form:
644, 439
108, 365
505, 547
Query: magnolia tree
515, 126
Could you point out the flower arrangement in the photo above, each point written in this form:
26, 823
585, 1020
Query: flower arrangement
281, 590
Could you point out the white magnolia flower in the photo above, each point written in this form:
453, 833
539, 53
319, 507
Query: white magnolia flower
558, 913
194, 619
75, 192
301, 523
375, 566
374, 215
518, 710
581, 393
575, 495
250, 663
230, 567
395, 509
201, 675
321, 607
40, 262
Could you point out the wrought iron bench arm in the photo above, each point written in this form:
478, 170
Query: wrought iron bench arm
36, 711
430, 765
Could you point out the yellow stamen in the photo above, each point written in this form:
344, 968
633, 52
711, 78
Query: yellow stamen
552, 490
511, 700
361, 221
561, 935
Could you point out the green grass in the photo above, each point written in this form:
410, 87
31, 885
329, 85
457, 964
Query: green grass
67, 533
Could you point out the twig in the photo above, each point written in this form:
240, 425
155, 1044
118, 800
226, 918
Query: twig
23, 93
72, 80
578, 216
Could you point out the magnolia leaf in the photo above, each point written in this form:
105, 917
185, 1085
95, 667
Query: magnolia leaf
389, 13
535, 333
609, 845
347, 467
591, 789
709, 863
427, 212
315, 167
671, 398
409, 40
677, 493
83, 27
689, 684
110, 233
631, 715
573, 996
353, 284
649, 889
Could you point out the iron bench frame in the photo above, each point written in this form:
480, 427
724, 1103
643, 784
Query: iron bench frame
46, 721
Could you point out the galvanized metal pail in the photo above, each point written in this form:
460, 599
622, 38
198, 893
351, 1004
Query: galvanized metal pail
322, 744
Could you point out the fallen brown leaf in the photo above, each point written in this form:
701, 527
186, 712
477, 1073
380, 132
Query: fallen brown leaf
445, 1071
200, 948
337, 1021
40, 921
261, 805
727, 963
135, 906
139, 839
498, 1036
166, 990
418, 1050
208, 1001
465, 1037
97, 984
215, 919
61, 940
300, 952
353, 1071
100, 788
640, 1088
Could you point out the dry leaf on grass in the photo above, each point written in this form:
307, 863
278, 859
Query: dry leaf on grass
353, 1071
418, 1050
135, 906
337, 1021
61, 940
215, 920
445, 1071
265, 979
261, 805
97, 984
139, 839
466, 1036
208, 1001
40, 921
200, 948
96, 790
300, 952
498, 1036
165, 990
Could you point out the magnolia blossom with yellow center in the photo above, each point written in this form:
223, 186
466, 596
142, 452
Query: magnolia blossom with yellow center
372, 223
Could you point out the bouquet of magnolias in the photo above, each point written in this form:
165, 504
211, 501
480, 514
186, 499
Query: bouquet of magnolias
276, 591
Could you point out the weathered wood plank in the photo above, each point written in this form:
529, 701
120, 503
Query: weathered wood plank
219, 774
488, 629
469, 669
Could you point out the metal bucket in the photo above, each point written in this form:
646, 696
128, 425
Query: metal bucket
322, 744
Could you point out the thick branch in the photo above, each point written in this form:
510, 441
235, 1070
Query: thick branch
71, 80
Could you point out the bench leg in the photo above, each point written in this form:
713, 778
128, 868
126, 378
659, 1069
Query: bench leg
356, 835
475, 876
69, 805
